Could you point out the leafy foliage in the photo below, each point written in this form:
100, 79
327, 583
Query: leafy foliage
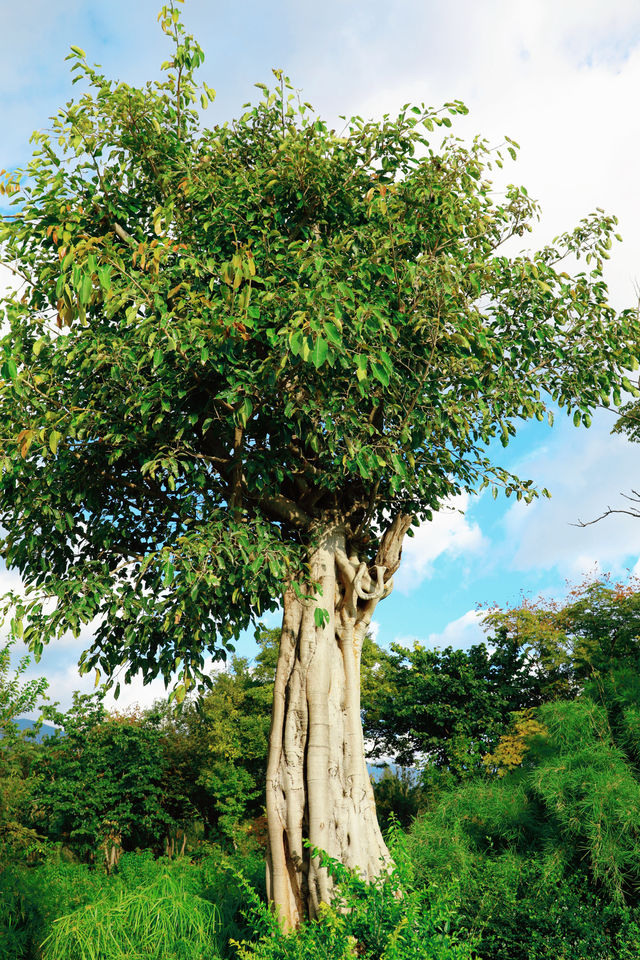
226, 734
546, 854
17, 755
163, 920
514, 745
227, 338
99, 782
149, 907
448, 707
388, 919
571, 643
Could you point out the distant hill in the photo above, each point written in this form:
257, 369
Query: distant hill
46, 730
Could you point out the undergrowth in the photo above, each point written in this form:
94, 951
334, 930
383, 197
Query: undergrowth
215, 909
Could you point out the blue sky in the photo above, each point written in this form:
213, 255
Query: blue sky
560, 78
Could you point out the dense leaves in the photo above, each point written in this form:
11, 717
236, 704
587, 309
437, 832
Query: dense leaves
226, 338
448, 707
98, 783
17, 754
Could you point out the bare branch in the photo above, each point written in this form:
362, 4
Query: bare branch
633, 497
390, 550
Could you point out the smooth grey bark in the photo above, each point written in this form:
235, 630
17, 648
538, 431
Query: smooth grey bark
318, 786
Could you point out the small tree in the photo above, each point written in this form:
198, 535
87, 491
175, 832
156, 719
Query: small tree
99, 782
449, 707
17, 753
242, 361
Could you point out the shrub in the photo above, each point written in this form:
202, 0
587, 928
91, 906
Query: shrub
389, 919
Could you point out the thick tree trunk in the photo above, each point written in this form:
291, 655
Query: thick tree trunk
318, 787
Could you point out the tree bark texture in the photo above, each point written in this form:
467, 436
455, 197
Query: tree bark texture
318, 786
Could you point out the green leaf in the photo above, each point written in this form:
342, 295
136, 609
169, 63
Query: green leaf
157, 357
320, 617
319, 352
380, 373
245, 411
361, 366
86, 288
295, 342
333, 334
104, 277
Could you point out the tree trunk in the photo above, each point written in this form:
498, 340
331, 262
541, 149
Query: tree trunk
318, 786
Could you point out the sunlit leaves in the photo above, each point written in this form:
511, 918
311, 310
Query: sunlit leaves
234, 334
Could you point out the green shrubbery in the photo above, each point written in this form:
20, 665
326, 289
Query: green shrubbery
177, 908
214, 908
547, 858
391, 919
534, 853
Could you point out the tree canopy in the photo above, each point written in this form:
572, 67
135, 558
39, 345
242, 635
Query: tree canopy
225, 337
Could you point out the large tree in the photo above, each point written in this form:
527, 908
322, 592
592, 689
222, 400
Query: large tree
241, 361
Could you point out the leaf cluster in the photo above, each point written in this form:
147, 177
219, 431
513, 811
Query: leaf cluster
226, 338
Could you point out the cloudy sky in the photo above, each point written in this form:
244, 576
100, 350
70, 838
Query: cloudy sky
561, 78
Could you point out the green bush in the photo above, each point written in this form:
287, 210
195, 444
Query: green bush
547, 857
390, 919
31, 898
71, 905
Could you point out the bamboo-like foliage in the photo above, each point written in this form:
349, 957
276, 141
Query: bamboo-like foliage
162, 920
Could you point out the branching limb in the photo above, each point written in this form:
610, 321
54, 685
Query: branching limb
362, 576
390, 550
284, 509
633, 497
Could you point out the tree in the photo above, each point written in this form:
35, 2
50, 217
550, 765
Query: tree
99, 782
243, 360
17, 696
226, 733
449, 707
594, 632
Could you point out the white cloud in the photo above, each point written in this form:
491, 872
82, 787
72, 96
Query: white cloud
65, 680
374, 630
461, 633
561, 79
448, 533
586, 471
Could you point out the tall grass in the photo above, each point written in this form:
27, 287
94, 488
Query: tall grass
162, 920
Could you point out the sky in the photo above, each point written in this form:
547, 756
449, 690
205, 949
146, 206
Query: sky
561, 79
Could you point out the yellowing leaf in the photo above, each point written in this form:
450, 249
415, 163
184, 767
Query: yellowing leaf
54, 439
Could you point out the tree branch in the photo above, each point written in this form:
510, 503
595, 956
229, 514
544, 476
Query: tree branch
390, 550
285, 509
634, 497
